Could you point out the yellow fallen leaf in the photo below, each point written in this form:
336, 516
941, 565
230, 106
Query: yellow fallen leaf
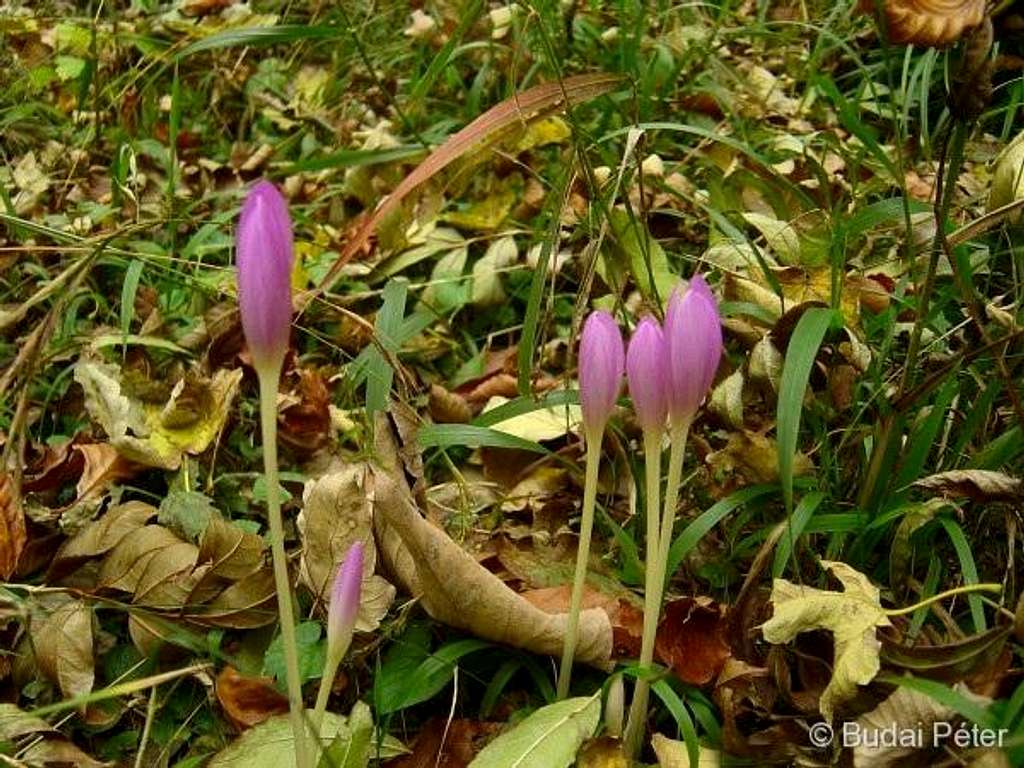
852, 616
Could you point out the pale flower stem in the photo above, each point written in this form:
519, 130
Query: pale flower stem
638, 707
593, 440
677, 435
268, 423
324, 693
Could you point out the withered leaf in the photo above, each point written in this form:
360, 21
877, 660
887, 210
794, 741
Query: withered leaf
336, 513
100, 537
977, 484
249, 602
248, 701
62, 641
452, 587
12, 527
232, 553
691, 639
127, 562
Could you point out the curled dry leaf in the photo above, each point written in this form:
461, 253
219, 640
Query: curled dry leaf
977, 484
62, 641
852, 616
936, 23
452, 587
248, 701
12, 527
337, 513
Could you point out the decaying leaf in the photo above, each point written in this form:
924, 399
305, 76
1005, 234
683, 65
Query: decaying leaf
977, 484
852, 616
100, 536
603, 752
337, 512
907, 711
453, 587
248, 701
929, 22
12, 527
756, 457
62, 642
691, 639
152, 434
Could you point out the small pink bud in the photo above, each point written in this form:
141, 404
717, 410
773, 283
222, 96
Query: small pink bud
601, 363
693, 338
647, 372
263, 254
344, 608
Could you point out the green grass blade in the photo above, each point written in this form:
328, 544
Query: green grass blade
803, 348
967, 567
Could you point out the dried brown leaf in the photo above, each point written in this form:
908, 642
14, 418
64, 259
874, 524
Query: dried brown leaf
100, 536
12, 527
62, 641
935, 23
691, 639
336, 513
977, 484
246, 700
232, 553
127, 562
453, 588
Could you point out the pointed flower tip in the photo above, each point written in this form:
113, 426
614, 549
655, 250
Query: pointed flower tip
693, 339
264, 253
345, 598
601, 365
647, 372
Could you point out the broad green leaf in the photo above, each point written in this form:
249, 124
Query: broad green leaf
852, 616
550, 737
271, 743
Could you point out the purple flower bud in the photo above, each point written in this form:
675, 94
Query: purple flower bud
602, 360
647, 371
693, 338
263, 244
344, 608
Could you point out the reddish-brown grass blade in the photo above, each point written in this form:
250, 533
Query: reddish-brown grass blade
541, 100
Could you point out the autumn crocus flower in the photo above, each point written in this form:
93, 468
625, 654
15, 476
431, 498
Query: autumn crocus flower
693, 338
601, 364
647, 373
264, 259
341, 620
692, 344
264, 255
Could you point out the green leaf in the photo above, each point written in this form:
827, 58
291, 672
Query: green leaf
351, 750
803, 348
448, 435
379, 373
312, 653
550, 737
411, 674
187, 513
271, 744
